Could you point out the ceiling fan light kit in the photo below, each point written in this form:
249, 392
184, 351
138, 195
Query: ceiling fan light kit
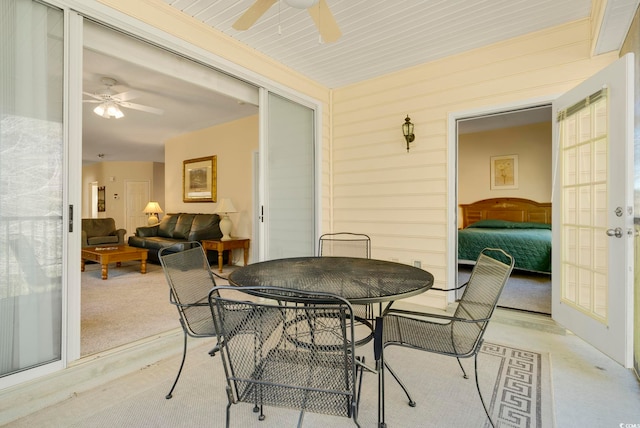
109, 102
108, 110
317, 9
301, 4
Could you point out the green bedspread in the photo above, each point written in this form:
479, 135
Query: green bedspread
528, 243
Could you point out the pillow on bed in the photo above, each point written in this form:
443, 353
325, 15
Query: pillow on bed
504, 224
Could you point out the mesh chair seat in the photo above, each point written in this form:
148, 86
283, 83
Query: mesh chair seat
439, 338
289, 379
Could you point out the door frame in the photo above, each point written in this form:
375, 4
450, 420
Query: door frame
452, 176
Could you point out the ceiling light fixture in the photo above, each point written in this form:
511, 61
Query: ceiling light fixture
108, 109
301, 4
407, 131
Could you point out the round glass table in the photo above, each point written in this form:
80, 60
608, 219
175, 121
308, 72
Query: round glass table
358, 280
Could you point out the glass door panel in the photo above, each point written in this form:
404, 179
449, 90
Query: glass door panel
290, 208
31, 178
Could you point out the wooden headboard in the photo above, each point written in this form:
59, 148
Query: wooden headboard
510, 209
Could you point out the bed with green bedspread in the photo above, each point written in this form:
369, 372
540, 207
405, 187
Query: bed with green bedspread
528, 243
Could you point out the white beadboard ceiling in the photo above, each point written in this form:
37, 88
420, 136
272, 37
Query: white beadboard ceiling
379, 37
383, 36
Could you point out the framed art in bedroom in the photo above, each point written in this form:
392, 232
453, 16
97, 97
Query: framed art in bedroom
504, 172
199, 180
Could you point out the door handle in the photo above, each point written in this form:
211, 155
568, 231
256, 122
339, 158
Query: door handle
617, 232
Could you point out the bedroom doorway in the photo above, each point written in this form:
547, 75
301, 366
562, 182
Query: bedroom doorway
519, 139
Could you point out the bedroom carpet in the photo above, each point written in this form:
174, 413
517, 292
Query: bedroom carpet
525, 291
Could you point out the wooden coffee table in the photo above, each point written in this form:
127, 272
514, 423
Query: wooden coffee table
223, 245
105, 254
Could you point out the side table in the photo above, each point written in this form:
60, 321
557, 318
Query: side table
220, 246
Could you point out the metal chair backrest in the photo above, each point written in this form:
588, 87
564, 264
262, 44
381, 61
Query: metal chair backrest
190, 280
480, 296
345, 244
298, 356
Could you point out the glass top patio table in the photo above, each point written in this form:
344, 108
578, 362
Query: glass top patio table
357, 280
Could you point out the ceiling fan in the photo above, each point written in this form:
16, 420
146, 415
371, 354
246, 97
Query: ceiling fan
318, 9
109, 102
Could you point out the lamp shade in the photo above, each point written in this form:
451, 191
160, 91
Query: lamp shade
152, 208
225, 206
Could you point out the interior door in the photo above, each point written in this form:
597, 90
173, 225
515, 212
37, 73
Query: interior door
137, 194
593, 210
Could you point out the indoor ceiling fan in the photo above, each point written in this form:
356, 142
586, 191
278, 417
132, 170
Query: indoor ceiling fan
318, 9
109, 102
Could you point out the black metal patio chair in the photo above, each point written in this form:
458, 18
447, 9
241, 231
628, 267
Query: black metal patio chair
190, 280
295, 352
459, 335
348, 244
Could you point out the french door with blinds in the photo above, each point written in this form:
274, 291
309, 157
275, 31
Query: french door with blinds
31, 187
593, 210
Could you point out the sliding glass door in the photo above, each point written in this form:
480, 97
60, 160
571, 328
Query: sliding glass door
288, 210
31, 185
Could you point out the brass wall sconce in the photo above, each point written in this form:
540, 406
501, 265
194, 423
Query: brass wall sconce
407, 131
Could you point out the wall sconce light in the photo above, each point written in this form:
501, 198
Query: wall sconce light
407, 131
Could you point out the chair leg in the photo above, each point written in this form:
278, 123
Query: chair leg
484, 406
464, 373
184, 356
404, 388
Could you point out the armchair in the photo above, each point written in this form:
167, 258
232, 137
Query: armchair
101, 231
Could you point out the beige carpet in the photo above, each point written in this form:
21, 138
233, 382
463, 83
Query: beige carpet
525, 291
126, 307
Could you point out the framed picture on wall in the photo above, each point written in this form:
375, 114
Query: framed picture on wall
504, 172
199, 179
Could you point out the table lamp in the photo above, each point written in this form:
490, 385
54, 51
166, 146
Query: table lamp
152, 208
224, 207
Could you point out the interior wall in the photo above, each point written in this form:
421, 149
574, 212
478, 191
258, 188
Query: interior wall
157, 185
532, 144
233, 143
401, 199
112, 176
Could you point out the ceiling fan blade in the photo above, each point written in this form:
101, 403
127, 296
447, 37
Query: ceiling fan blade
91, 101
326, 23
126, 96
96, 96
141, 108
252, 14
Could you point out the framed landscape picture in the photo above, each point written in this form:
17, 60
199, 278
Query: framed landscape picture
199, 179
504, 172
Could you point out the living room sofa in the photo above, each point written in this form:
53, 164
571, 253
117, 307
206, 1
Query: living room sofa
177, 230
101, 231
